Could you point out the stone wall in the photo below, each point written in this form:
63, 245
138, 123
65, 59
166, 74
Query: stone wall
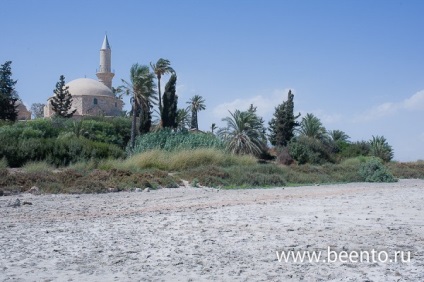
87, 106
23, 113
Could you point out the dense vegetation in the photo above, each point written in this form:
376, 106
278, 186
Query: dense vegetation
95, 154
62, 142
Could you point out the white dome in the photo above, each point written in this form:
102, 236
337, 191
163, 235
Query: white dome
88, 87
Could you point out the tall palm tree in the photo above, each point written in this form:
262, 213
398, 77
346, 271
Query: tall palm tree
196, 104
243, 133
142, 90
161, 67
312, 127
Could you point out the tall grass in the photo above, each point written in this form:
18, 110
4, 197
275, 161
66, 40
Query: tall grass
3, 163
177, 160
36, 167
407, 170
175, 141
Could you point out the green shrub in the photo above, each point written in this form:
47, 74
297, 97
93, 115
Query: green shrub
56, 151
114, 130
174, 141
5, 122
56, 140
374, 170
8, 132
48, 127
29, 132
72, 150
356, 149
309, 150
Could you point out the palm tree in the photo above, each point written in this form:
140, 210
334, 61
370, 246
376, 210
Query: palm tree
196, 104
183, 119
338, 136
380, 148
243, 133
213, 127
161, 67
142, 90
312, 127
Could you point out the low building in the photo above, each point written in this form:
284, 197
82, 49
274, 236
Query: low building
23, 113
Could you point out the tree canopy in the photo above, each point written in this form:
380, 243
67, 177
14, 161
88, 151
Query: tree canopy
142, 90
283, 124
62, 100
162, 66
37, 110
196, 104
243, 133
8, 95
170, 103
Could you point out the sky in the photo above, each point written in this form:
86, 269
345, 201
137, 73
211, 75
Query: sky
358, 65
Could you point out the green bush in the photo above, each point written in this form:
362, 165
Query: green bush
72, 150
8, 132
310, 150
175, 141
49, 128
56, 140
112, 131
374, 170
56, 151
356, 149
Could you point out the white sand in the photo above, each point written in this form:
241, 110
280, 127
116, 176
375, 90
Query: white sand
201, 234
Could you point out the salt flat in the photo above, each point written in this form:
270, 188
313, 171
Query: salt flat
204, 234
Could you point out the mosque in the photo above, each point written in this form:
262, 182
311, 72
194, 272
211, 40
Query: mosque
91, 97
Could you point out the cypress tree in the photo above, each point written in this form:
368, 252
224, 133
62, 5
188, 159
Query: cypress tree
170, 101
145, 118
8, 95
282, 125
62, 101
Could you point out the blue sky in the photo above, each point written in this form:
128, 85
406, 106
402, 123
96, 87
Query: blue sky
358, 65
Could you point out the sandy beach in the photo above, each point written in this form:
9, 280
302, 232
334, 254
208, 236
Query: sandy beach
205, 234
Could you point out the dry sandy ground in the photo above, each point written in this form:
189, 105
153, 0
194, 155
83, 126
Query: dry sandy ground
203, 234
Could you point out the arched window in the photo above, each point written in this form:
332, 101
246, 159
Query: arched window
95, 101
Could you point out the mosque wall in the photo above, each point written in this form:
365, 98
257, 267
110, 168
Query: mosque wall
91, 106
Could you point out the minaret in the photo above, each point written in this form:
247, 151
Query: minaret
105, 74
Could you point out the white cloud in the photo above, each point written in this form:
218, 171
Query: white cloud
265, 104
379, 111
327, 118
415, 102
